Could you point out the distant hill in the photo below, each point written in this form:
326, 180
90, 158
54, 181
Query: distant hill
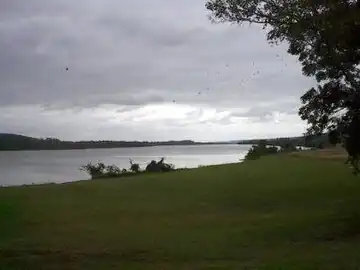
19, 142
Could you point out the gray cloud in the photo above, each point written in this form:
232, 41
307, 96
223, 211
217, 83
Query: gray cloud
264, 112
136, 52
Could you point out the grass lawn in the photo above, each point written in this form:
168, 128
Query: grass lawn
279, 212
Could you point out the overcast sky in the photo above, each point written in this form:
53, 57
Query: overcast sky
141, 70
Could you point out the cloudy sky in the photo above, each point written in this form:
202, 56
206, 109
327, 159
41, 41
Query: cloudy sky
141, 70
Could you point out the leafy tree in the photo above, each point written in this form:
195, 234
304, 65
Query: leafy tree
324, 35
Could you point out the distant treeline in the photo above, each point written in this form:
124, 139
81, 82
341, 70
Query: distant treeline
311, 142
19, 142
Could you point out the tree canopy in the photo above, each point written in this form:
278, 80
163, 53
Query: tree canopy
325, 36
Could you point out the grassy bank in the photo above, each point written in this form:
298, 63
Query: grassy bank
279, 212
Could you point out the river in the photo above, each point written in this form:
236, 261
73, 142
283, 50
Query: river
35, 167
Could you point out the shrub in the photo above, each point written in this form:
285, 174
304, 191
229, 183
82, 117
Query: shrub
99, 170
159, 166
134, 167
256, 151
288, 148
94, 170
112, 171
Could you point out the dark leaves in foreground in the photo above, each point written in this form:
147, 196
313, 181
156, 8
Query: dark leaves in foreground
324, 35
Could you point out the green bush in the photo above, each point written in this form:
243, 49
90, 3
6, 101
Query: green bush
256, 151
99, 170
288, 147
94, 170
159, 166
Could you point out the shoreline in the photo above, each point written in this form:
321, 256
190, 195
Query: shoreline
121, 177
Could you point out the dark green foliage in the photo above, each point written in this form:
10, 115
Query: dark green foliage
334, 137
262, 149
100, 170
351, 135
159, 166
113, 170
324, 35
288, 147
321, 146
94, 170
134, 167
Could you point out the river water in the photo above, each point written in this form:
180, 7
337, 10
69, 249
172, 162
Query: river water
29, 167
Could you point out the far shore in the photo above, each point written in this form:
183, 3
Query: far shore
119, 147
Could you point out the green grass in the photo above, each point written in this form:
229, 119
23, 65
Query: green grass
279, 212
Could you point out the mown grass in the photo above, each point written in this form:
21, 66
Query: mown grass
331, 153
279, 212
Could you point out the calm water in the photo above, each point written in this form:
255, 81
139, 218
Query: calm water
27, 167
